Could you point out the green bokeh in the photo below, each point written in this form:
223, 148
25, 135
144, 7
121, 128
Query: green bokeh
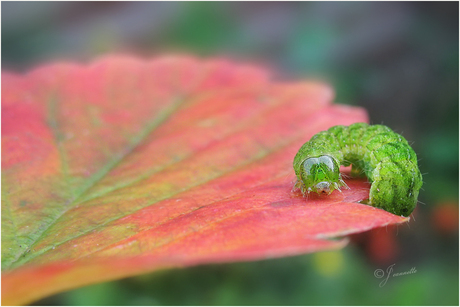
287, 281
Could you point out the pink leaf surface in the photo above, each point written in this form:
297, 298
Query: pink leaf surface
125, 166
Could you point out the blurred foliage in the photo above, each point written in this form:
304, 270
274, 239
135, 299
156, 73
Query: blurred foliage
399, 60
301, 280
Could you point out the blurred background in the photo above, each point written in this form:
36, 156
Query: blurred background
399, 60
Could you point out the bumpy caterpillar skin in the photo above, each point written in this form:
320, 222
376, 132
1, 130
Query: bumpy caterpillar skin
386, 158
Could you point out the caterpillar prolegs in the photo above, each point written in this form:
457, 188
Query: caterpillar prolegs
385, 157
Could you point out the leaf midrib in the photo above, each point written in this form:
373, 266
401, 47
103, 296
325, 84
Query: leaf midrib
255, 158
163, 116
112, 164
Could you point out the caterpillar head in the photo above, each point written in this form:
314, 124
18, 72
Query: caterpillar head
320, 175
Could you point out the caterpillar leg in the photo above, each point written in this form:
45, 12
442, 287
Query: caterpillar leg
323, 187
298, 185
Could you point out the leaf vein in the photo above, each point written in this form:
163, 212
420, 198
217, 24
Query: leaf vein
156, 122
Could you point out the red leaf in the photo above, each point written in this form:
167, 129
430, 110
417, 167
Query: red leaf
445, 218
126, 166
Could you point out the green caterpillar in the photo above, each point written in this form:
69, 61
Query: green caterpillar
386, 158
